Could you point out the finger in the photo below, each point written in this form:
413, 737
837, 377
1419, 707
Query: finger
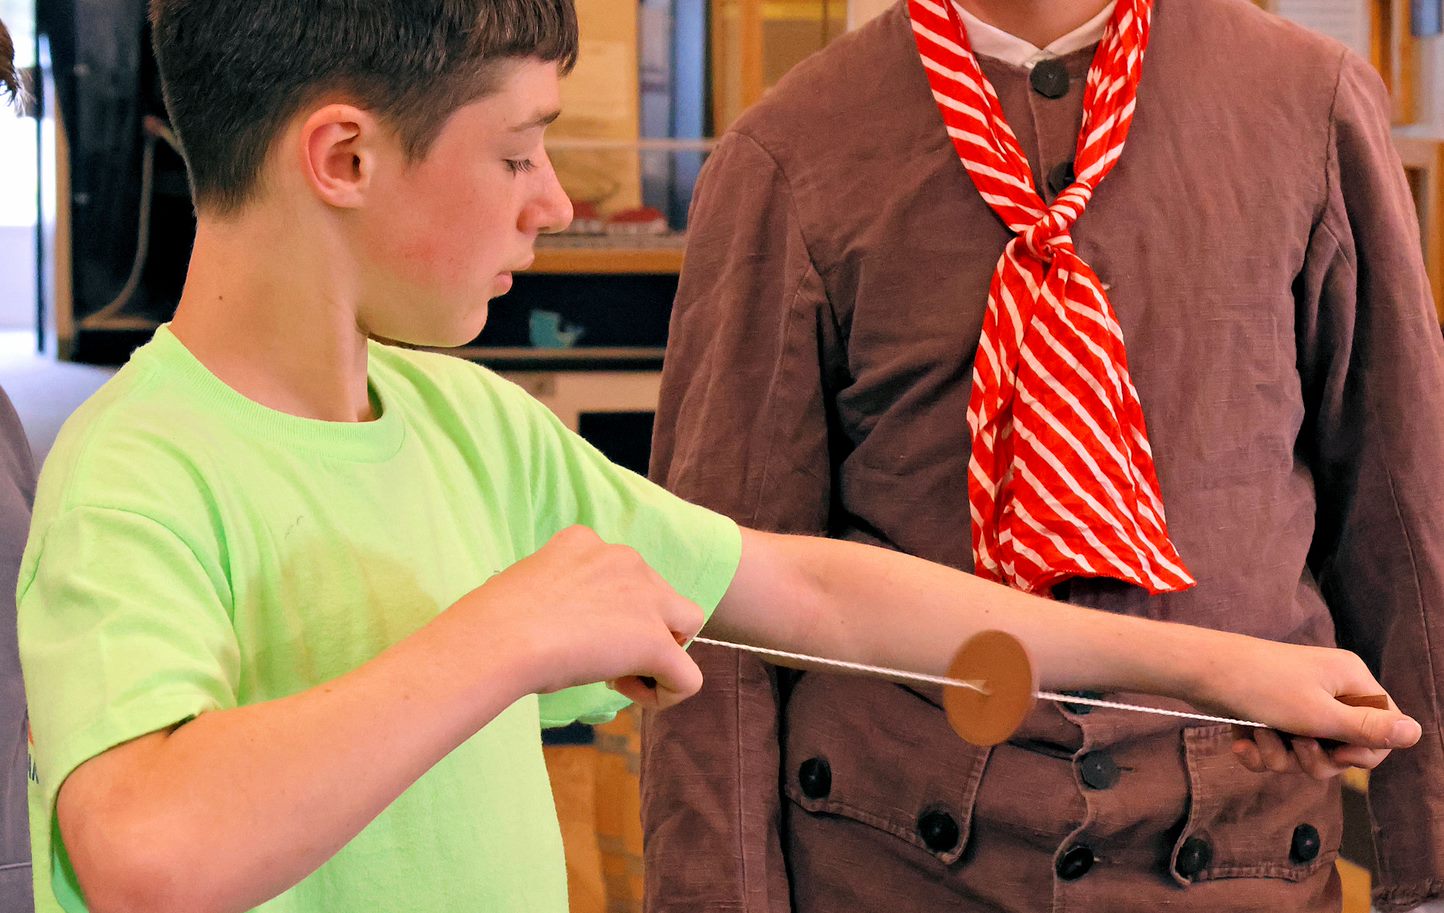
1248, 755
640, 690
1315, 761
1369, 727
1358, 756
1276, 755
683, 616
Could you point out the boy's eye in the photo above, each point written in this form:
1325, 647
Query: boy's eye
520, 166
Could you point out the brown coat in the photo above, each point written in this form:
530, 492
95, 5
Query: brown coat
1264, 261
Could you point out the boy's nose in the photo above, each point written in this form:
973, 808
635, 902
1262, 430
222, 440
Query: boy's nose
552, 211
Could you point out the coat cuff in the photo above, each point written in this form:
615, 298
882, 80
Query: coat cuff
1423, 897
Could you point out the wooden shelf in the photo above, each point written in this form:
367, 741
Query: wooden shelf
609, 261
581, 358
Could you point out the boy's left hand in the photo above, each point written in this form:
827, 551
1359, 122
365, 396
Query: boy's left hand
1294, 689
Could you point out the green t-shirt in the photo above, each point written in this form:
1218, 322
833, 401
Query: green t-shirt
195, 551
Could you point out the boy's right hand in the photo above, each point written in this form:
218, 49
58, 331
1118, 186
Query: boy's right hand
580, 611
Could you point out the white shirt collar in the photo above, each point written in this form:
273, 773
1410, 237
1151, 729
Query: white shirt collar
991, 41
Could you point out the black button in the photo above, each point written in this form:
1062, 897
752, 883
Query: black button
1050, 78
1193, 857
939, 831
1306, 844
1082, 709
815, 778
1061, 177
1098, 770
1075, 863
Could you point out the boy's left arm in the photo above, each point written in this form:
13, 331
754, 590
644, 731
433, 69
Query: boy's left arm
846, 601
1372, 366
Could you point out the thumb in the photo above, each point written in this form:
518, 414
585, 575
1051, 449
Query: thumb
1374, 728
675, 678
679, 680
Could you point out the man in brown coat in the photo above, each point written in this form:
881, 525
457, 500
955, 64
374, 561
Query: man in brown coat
1259, 247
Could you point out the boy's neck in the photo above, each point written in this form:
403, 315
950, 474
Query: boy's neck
1038, 22
275, 320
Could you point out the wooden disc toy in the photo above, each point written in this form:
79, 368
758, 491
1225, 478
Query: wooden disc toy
1000, 664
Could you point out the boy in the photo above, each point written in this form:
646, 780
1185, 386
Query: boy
1257, 245
290, 593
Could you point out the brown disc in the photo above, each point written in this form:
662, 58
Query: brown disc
998, 661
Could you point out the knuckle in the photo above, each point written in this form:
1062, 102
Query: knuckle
571, 535
1356, 665
626, 556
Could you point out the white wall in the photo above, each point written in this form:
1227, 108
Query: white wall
1430, 83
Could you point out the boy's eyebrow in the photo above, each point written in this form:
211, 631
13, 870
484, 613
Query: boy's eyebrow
541, 120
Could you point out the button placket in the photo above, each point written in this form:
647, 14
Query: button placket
939, 830
1061, 177
1049, 78
1098, 770
1082, 709
814, 777
1193, 857
1305, 845
1052, 95
1074, 862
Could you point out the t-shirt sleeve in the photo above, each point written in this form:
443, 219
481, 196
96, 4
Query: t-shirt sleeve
122, 632
694, 549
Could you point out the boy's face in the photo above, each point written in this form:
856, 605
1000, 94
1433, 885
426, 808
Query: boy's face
442, 235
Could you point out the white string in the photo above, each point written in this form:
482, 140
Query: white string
980, 687
851, 667
1136, 708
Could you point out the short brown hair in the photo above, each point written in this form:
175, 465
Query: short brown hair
235, 71
9, 78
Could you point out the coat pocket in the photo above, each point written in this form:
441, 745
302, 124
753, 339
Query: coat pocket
882, 755
1246, 825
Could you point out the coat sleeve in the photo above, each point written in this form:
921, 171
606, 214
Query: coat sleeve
743, 429
1372, 364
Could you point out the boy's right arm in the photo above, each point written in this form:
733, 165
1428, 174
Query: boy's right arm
236, 806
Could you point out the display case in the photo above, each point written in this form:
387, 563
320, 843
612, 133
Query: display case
628, 149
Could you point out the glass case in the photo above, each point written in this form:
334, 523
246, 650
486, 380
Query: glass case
633, 137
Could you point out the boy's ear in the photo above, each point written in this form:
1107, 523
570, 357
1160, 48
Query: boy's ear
340, 153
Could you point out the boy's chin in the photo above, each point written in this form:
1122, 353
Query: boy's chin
437, 336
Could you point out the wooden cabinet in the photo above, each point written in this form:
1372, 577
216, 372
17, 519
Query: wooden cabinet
755, 42
1422, 152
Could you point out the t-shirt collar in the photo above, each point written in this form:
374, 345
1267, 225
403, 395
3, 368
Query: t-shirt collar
991, 41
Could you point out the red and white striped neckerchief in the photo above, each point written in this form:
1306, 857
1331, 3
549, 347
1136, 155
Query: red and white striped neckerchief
1061, 482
